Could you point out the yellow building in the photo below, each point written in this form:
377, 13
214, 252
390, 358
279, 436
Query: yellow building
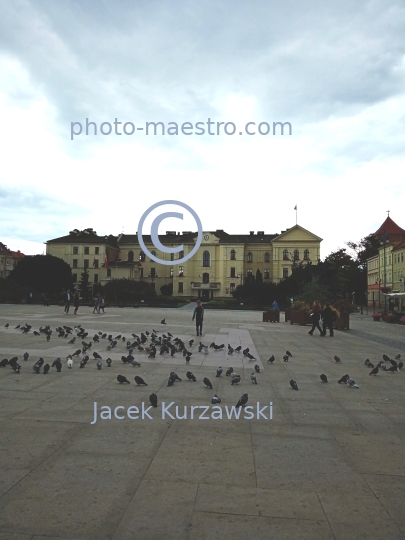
221, 262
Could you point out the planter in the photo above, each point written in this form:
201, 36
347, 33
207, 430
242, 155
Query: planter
287, 315
342, 322
271, 316
300, 317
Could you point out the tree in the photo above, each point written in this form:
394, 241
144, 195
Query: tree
84, 286
259, 276
129, 290
43, 274
315, 290
167, 290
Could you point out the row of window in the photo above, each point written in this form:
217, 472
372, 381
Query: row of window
86, 263
296, 255
86, 250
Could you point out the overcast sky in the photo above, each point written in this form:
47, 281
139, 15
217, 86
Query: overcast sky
333, 69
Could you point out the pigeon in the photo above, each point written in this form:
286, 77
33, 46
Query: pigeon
242, 401
343, 380
250, 356
246, 351
215, 400
336, 359
72, 341
190, 343
170, 382
207, 383
6, 325
99, 365
368, 363
188, 358
36, 333
324, 378
253, 378
18, 326
139, 381
135, 363
153, 400
163, 321
235, 380
190, 376
16, 367
238, 349
398, 357
351, 383
77, 353
374, 371
293, 384
121, 379
229, 371
271, 359
202, 347
175, 376
386, 358
230, 349
69, 362
109, 362
47, 367
4, 362
97, 356
37, 367
285, 358
288, 354
393, 363
257, 368
400, 365
219, 372
83, 362
48, 338
392, 369
26, 356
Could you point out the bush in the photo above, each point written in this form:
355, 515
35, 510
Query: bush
344, 307
129, 291
299, 305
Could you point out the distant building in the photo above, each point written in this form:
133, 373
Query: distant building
222, 261
386, 271
8, 260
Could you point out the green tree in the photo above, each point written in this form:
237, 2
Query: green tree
167, 290
85, 289
129, 290
43, 274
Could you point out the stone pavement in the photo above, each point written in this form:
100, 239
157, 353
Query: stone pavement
328, 465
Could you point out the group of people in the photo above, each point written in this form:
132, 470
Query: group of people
327, 315
68, 298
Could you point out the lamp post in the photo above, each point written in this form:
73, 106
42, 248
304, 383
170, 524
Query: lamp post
384, 237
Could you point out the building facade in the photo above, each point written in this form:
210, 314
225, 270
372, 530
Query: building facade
386, 271
8, 260
221, 262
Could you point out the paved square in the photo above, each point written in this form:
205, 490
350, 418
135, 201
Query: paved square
328, 465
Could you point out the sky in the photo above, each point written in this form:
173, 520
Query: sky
334, 70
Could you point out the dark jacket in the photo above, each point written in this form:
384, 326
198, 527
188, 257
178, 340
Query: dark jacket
328, 315
199, 313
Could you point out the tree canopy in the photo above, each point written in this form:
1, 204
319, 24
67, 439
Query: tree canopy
43, 273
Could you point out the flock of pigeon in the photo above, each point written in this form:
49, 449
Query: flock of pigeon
150, 343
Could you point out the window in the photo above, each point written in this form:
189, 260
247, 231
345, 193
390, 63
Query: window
206, 277
402, 256
108, 272
153, 285
153, 253
74, 265
86, 263
172, 256
153, 272
74, 276
181, 270
130, 256
306, 255
249, 257
180, 287
181, 254
232, 287
171, 272
95, 278
142, 256
97, 251
267, 274
285, 272
233, 271
267, 257
233, 254
296, 255
95, 263
206, 258
75, 250
86, 250
285, 255
141, 272
250, 272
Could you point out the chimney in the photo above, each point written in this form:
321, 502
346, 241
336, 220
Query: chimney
252, 233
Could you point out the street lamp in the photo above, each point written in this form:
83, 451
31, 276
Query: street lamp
385, 238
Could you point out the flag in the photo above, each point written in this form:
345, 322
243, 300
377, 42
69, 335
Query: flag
295, 207
106, 262
94, 261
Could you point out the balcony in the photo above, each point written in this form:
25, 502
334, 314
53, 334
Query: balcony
199, 285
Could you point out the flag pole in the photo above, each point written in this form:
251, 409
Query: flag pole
296, 214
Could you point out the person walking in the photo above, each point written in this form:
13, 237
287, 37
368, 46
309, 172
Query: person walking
328, 316
198, 315
315, 317
76, 301
101, 304
68, 299
96, 302
275, 305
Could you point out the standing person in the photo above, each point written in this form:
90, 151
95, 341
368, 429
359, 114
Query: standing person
43, 299
198, 315
96, 302
275, 305
101, 304
315, 317
76, 301
68, 299
328, 317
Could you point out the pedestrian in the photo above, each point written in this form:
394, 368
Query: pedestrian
328, 316
68, 299
198, 315
101, 304
43, 299
96, 302
275, 305
315, 317
76, 301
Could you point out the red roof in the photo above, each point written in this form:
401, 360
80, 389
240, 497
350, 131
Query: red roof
390, 227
